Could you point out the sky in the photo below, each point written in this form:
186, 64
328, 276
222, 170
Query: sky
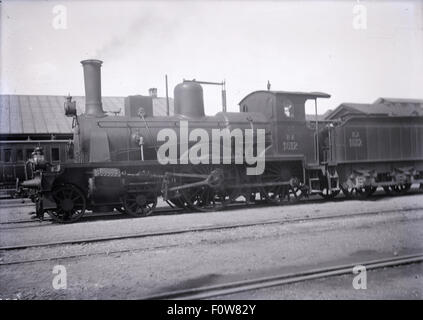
327, 46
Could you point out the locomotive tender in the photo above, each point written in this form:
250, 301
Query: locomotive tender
116, 163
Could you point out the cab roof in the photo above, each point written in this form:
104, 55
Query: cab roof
307, 95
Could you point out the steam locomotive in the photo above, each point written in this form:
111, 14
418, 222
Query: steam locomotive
119, 163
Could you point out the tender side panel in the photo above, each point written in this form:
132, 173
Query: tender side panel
379, 139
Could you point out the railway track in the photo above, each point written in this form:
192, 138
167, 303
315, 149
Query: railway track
225, 289
10, 224
14, 224
14, 203
172, 232
18, 205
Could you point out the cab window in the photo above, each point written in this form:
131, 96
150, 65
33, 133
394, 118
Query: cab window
69, 150
7, 155
287, 108
29, 153
55, 154
19, 155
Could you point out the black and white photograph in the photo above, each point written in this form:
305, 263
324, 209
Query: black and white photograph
233, 151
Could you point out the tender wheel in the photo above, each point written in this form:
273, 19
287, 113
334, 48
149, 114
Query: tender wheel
138, 204
358, 192
401, 188
365, 192
328, 196
349, 192
372, 190
387, 190
71, 204
397, 189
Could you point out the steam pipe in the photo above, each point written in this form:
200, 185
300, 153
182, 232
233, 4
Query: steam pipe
92, 80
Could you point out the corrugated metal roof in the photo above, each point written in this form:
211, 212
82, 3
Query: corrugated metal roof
390, 109
369, 108
376, 109
398, 100
160, 106
32, 114
399, 106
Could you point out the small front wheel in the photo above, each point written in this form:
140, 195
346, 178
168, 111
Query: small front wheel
70, 202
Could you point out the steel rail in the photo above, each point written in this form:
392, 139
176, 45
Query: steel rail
16, 205
85, 218
199, 229
282, 279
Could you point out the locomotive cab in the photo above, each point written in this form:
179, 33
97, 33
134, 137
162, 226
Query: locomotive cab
286, 113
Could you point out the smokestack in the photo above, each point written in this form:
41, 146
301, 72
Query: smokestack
92, 79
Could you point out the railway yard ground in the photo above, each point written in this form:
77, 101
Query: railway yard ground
304, 250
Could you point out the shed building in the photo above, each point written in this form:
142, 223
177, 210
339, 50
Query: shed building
381, 107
